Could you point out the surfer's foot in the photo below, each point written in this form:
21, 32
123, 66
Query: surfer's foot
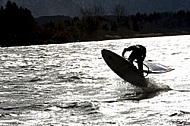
141, 74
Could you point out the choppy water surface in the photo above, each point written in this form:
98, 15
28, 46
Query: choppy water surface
70, 84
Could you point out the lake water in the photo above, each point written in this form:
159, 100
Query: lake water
70, 84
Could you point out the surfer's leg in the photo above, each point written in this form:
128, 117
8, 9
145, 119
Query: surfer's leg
131, 58
140, 66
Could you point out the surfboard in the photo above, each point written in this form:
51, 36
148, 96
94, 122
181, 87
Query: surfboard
127, 71
123, 68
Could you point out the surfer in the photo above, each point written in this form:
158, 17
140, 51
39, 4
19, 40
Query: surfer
138, 53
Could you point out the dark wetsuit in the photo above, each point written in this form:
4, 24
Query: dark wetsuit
138, 53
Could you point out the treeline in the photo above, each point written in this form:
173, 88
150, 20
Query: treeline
18, 26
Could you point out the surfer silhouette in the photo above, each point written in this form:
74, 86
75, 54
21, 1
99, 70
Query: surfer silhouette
138, 53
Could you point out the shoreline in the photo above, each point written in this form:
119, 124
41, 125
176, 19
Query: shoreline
142, 35
112, 37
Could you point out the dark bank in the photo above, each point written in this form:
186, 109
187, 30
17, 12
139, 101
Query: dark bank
18, 27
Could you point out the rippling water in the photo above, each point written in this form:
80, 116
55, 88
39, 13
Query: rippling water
70, 84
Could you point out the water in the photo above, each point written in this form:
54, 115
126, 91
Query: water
70, 84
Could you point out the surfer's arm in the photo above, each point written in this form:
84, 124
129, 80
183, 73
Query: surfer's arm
123, 53
143, 56
144, 53
127, 49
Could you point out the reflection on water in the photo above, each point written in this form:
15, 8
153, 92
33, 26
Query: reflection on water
70, 84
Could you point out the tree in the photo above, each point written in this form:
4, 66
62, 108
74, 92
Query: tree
17, 25
119, 11
97, 11
91, 21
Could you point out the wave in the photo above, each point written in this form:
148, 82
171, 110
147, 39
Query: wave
81, 107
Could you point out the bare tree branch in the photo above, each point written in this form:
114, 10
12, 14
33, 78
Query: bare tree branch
120, 11
95, 11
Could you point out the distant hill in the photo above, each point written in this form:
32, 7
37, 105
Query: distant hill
72, 7
46, 19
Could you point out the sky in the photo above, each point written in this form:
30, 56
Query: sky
72, 7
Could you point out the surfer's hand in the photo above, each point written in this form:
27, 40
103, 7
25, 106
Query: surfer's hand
125, 57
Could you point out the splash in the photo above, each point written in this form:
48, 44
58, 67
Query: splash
153, 89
